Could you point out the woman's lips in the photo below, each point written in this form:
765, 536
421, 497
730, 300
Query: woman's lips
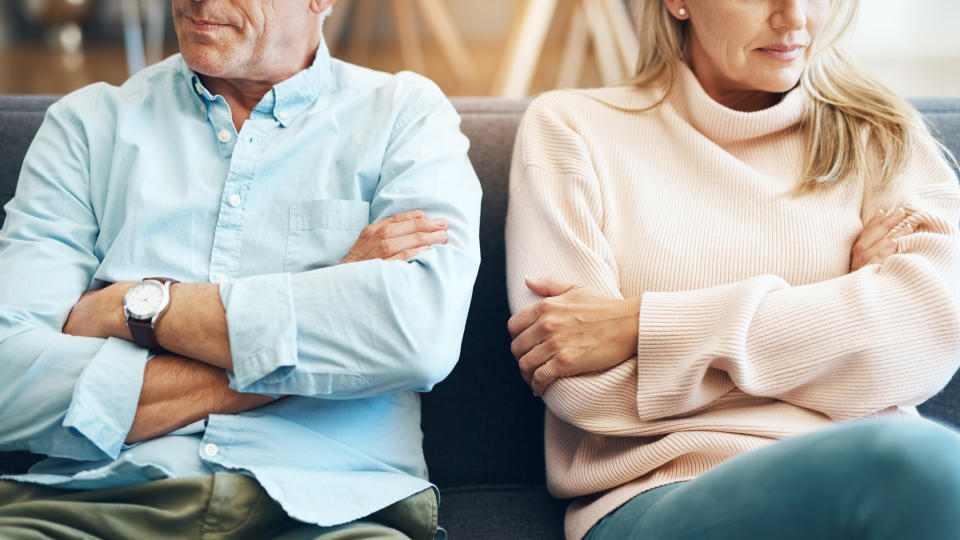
782, 51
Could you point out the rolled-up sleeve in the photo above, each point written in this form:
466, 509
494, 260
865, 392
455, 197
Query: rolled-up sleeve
61, 395
373, 327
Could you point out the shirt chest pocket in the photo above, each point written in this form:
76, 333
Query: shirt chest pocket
322, 232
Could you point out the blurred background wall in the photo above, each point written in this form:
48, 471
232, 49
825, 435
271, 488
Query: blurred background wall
911, 45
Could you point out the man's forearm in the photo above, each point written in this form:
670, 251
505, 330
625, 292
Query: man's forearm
195, 326
178, 391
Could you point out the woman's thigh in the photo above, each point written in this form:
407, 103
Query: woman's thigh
870, 479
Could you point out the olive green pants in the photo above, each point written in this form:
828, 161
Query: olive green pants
217, 507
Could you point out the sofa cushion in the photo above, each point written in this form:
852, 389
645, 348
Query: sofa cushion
491, 512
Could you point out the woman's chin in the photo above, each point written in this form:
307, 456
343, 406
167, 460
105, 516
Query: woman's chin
779, 84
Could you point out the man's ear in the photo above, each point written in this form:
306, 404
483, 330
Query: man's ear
319, 6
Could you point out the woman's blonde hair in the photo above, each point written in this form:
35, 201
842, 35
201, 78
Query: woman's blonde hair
846, 100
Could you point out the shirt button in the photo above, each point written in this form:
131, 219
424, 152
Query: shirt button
203, 109
224, 136
220, 278
283, 116
210, 450
199, 88
235, 200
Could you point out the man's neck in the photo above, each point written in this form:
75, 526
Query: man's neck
243, 95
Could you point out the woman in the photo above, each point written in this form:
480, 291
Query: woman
749, 243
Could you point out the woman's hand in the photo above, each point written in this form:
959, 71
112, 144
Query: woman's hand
573, 330
878, 239
398, 238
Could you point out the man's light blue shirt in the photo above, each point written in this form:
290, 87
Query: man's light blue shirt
152, 179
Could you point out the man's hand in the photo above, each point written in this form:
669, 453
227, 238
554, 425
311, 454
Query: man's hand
574, 330
879, 237
398, 238
99, 313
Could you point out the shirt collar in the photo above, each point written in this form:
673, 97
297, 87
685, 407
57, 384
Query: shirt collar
286, 100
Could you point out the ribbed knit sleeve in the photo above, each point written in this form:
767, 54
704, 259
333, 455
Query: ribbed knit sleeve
883, 336
555, 216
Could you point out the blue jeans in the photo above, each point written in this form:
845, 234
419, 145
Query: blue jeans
870, 479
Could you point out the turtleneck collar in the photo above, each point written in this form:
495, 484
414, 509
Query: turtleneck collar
724, 125
717, 122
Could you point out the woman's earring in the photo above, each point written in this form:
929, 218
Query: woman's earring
682, 12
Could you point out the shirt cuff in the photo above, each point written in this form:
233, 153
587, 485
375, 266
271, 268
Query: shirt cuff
262, 324
106, 395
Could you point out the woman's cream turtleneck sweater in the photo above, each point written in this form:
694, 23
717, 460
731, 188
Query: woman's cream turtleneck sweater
752, 327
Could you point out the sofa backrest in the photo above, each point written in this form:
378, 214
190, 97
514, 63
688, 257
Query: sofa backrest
481, 425
20, 117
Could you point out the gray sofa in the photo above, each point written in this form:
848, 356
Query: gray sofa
482, 427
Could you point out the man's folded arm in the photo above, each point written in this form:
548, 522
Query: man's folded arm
61, 395
352, 330
357, 329
179, 391
372, 327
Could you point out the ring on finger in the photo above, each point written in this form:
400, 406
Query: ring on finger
543, 369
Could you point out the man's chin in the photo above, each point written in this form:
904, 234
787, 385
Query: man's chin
208, 65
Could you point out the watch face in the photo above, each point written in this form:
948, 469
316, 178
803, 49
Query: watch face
144, 300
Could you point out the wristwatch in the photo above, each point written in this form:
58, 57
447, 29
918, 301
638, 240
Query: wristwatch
143, 305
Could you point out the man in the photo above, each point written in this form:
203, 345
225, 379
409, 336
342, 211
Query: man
315, 224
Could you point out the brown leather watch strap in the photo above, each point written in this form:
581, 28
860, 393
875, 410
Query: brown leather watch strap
161, 280
143, 333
